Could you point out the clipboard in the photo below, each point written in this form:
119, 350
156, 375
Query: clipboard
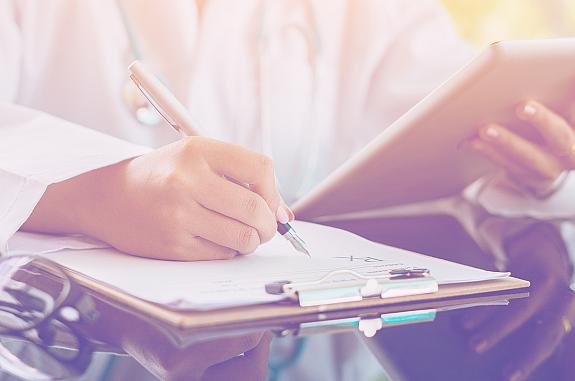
416, 287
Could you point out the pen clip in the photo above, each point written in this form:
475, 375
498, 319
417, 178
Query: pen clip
155, 105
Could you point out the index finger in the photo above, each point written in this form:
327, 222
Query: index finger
245, 166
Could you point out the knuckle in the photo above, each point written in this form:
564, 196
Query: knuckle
179, 216
192, 151
247, 239
251, 204
268, 231
173, 180
274, 201
201, 187
266, 164
191, 143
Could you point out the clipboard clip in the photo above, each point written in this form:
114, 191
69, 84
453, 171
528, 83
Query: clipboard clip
341, 286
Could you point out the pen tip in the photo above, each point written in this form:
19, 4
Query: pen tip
294, 238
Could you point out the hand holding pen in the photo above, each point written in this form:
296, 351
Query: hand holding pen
177, 116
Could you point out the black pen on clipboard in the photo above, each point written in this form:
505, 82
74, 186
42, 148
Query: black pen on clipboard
176, 114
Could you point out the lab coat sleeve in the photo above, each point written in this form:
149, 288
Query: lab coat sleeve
37, 150
500, 197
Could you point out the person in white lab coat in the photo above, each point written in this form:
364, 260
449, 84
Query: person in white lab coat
306, 83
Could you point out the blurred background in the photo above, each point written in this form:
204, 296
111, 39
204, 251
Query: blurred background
486, 21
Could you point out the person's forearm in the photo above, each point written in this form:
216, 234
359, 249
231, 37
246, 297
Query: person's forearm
176, 202
69, 206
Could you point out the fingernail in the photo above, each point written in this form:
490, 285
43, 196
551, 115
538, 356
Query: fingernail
492, 132
282, 215
529, 109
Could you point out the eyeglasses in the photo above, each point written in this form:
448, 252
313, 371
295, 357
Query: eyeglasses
39, 314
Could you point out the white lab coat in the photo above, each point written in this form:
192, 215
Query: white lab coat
308, 82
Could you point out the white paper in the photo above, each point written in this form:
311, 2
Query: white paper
242, 280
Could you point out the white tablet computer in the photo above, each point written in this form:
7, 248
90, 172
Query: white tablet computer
419, 157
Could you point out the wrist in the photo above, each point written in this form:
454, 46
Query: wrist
74, 205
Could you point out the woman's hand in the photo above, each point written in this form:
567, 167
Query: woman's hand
537, 167
180, 202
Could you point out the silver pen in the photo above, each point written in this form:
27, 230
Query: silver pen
287, 231
177, 116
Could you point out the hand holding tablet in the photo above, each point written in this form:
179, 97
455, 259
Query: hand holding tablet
423, 155
541, 167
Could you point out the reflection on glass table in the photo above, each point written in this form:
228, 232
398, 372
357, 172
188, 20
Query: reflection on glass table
532, 339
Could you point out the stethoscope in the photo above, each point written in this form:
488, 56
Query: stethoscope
308, 154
